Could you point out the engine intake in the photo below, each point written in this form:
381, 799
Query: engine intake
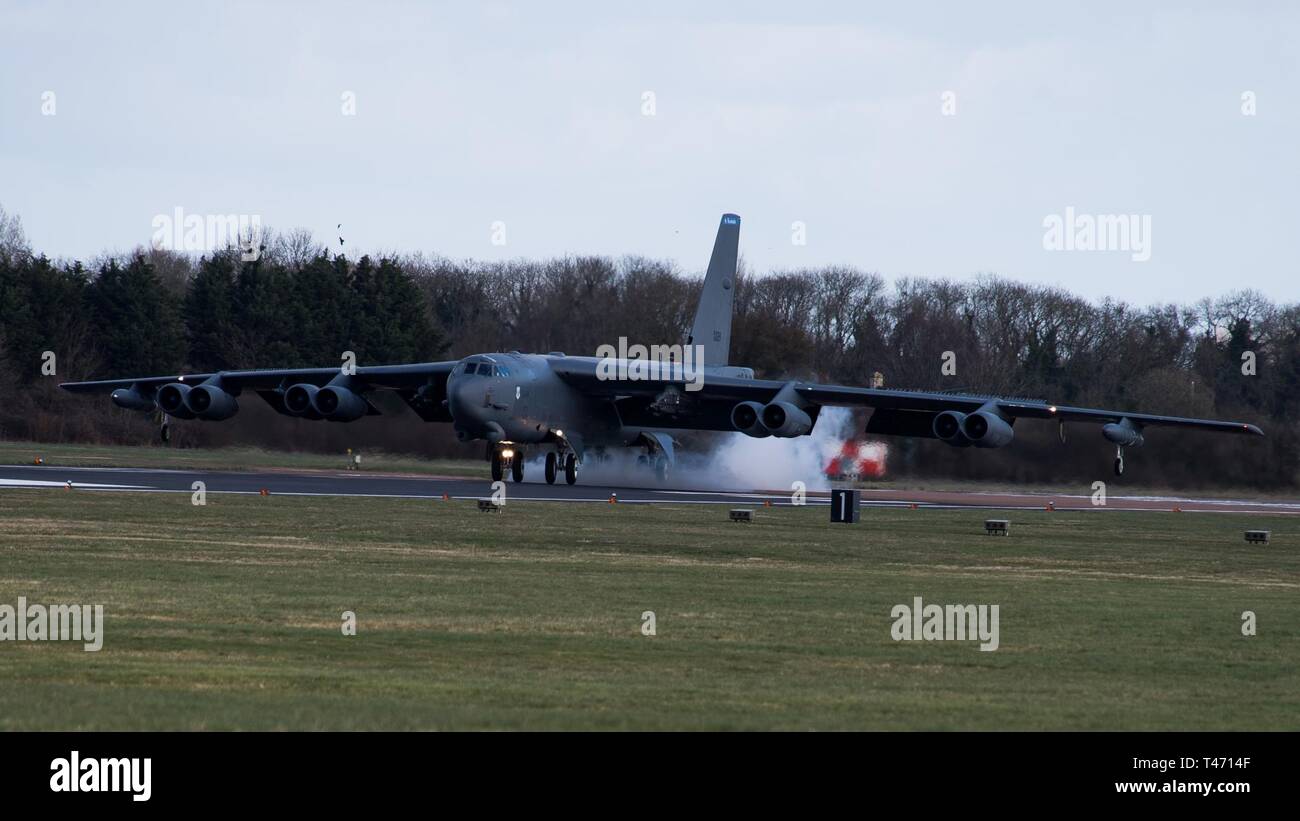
744, 417
211, 403
300, 400
785, 420
171, 399
947, 426
340, 404
986, 429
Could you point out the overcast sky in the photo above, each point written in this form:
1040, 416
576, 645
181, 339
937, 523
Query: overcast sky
535, 115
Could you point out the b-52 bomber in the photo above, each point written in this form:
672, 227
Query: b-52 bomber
577, 408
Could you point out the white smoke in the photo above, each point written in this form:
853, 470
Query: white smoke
738, 463
743, 462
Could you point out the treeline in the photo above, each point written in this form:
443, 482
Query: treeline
297, 305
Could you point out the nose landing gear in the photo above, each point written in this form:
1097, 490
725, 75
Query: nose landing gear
507, 456
1119, 460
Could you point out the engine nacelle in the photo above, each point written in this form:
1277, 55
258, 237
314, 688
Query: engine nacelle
301, 399
985, 429
785, 420
1123, 434
211, 403
947, 426
340, 404
131, 399
744, 417
171, 400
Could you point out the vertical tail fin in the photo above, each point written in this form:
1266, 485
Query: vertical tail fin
712, 328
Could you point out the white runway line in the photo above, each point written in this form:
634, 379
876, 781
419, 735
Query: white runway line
38, 483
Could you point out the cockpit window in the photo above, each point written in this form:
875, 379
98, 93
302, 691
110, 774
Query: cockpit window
468, 369
502, 370
484, 369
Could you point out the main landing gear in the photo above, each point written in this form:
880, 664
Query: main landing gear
555, 462
657, 462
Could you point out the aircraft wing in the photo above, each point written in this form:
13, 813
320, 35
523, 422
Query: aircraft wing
422, 385
391, 377
897, 412
1013, 408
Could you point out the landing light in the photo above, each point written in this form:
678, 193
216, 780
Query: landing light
507, 453
1051, 409
559, 433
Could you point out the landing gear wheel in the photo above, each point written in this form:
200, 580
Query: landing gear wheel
165, 433
498, 467
552, 467
661, 469
570, 468
1119, 465
517, 466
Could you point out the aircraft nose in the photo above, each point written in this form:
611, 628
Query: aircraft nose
464, 402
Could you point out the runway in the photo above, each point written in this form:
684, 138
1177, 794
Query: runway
339, 483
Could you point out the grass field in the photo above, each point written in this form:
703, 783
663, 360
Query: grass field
228, 616
157, 456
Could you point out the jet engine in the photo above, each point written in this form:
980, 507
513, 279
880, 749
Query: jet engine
947, 426
785, 420
171, 400
745, 420
211, 403
986, 429
301, 399
744, 417
339, 404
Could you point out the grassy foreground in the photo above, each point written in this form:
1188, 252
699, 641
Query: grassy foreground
228, 616
237, 458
